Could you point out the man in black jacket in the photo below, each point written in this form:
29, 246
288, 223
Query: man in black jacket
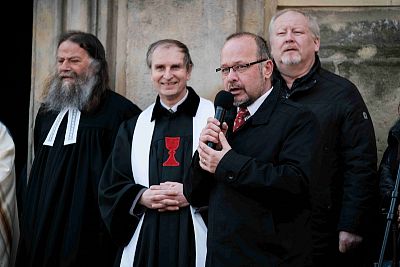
389, 165
388, 171
256, 182
345, 192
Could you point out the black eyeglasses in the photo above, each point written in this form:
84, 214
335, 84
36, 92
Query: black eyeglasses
238, 68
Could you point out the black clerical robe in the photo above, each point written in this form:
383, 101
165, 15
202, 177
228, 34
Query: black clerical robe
61, 222
153, 238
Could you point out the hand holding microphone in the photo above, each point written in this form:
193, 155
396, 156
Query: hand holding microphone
223, 102
209, 156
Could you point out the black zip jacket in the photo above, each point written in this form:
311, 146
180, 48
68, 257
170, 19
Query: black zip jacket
389, 166
345, 192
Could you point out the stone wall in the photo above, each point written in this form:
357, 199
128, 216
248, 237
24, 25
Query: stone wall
361, 43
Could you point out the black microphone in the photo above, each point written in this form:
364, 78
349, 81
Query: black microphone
223, 102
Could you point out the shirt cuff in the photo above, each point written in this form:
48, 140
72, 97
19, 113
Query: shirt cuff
137, 210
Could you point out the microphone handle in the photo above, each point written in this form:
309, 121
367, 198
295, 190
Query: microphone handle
219, 115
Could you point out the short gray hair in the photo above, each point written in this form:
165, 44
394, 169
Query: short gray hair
312, 21
187, 60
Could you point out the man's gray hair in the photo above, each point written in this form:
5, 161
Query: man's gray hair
312, 21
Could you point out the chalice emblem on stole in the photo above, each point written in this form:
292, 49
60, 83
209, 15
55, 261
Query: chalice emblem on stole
172, 144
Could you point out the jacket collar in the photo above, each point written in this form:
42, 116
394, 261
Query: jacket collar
261, 116
266, 109
394, 134
300, 84
189, 106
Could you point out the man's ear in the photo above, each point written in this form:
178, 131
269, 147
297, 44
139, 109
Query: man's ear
316, 44
189, 73
268, 68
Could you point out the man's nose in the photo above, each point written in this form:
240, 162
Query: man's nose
167, 74
232, 74
65, 65
289, 37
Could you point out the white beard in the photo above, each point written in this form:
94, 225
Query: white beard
291, 60
69, 94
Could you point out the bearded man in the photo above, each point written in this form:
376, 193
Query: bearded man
61, 223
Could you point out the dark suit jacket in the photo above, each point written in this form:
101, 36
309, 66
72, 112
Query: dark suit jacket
258, 199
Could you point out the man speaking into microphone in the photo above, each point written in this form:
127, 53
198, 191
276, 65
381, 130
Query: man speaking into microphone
255, 179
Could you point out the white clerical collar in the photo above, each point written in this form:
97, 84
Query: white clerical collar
72, 127
254, 107
174, 108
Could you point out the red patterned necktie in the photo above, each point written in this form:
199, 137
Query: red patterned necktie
240, 118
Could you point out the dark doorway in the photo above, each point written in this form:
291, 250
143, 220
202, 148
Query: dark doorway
16, 55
